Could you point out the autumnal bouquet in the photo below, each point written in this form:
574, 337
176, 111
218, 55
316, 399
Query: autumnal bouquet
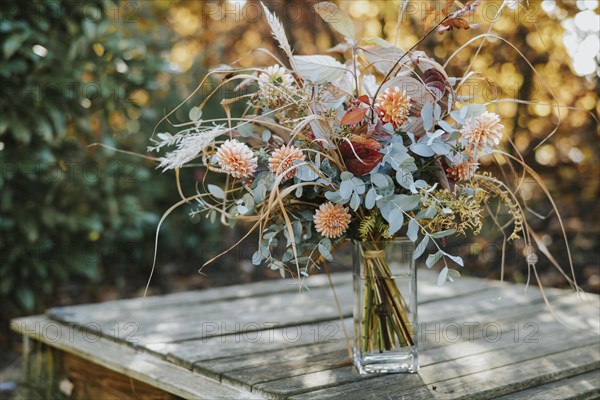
378, 147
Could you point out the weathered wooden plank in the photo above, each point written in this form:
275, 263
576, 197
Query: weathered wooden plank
192, 351
122, 359
198, 320
485, 384
580, 387
191, 321
254, 343
263, 288
283, 388
91, 381
249, 377
197, 351
151, 315
470, 355
250, 361
517, 353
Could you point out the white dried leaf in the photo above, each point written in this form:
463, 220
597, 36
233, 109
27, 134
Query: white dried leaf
337, 18
384, 58
319, 68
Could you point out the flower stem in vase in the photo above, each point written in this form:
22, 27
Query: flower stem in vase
384, 321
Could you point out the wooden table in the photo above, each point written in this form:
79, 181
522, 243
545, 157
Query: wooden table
478, 339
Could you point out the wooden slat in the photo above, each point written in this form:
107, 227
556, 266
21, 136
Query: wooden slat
195, 321
468, 357
91, 381
324, 361
580, 387
194, 351
122, 359
156, 322
263, 288
472, 356
485, 384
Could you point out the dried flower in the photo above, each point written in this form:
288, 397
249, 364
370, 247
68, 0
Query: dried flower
482, 131
282, 160
332, 220
273, 83
236, 159
463, 171
393, 106
361, 154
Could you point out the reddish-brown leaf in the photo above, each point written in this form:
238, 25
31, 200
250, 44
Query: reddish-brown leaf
354, 116
364, 99
361, 154
458, 23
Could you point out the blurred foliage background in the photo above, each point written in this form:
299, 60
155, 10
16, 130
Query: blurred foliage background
77, 223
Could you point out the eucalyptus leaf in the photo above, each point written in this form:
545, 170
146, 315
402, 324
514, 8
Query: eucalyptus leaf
195, 114
396, 220
355, 201
379, 180
346, 189
427, 116
421, 247
432, 259
442, 234
413, 230
257, 258
456, 259
216, 191
442, 276
370, 199
266, 135
446, 126
422, 149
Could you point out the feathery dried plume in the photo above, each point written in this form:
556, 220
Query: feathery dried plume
189, 146
278, 33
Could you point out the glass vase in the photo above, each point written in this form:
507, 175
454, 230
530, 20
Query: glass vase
385, 307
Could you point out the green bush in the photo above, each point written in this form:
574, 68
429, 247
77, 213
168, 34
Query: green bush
73, 74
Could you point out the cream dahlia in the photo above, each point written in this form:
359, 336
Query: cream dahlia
393, 106
482, 131
236, 159
332, 220
282, 160
273, 83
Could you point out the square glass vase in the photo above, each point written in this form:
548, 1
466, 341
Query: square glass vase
385, 307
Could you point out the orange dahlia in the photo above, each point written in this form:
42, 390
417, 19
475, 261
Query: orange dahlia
393, 106
282, 161
332, 220
463, 171
236, 159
